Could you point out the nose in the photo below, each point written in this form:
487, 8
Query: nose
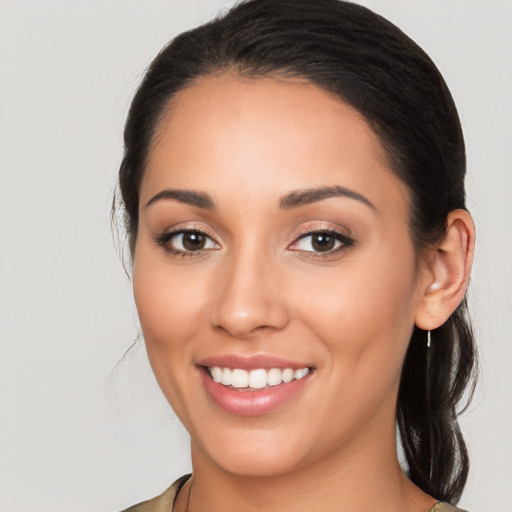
248, 297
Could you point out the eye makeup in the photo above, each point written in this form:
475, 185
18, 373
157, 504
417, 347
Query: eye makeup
319, 242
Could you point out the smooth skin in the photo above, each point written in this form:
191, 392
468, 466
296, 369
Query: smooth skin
257, 281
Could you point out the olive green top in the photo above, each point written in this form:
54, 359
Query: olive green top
165, 502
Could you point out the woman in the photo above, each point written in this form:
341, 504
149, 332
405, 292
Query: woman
293, 182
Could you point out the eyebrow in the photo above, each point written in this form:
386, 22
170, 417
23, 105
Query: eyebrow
293, 199
190, 197
312, 195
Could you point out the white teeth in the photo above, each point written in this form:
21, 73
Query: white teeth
255, 379
288, 375
274, 377
226, 377
301, 373
239, 378
216, 373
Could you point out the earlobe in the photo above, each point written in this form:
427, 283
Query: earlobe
449, 270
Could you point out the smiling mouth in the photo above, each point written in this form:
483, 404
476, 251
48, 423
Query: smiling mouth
240, 379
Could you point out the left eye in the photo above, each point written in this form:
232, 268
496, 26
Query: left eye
188, 241
320, 242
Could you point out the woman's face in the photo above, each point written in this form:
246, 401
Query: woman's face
274, 244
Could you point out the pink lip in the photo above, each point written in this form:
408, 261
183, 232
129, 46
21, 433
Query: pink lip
251, 362
245, 402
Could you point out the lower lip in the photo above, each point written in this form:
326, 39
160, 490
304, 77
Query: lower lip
246, 402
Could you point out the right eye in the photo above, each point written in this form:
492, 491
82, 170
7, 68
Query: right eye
186, 242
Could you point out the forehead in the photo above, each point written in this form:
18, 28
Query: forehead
264, 134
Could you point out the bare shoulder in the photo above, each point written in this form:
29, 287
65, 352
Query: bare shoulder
163, 502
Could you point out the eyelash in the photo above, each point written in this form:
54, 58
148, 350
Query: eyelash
345, 242
164, 241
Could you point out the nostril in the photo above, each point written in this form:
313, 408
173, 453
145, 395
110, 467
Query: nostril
245, 333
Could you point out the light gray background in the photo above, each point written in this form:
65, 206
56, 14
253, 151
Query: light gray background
76, 435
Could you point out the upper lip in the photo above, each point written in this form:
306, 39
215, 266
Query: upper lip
251, 362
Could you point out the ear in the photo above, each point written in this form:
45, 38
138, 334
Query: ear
447, 272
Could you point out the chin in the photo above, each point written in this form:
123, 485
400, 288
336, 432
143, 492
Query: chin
255, 454
271, 465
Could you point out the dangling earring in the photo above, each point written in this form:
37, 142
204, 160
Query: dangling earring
429, 339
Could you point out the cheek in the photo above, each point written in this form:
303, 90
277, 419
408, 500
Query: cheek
165, 310
364, 314
170, 306
362, 320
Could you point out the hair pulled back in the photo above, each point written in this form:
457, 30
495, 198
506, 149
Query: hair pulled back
369, 63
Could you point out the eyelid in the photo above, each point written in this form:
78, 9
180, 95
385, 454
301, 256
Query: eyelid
185, 227
320, 227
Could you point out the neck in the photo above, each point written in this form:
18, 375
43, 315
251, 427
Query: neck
358, 479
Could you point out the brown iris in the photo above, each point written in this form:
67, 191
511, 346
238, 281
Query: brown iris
193, 241
322, 242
